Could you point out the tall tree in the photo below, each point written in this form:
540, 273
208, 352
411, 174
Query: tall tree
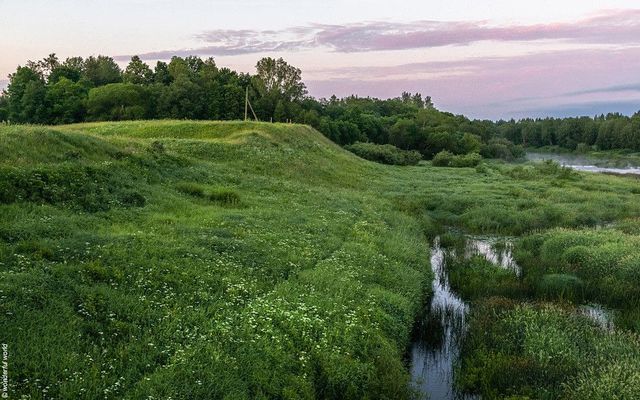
276, 76
66, 100
137, 72
25, 82
102, 70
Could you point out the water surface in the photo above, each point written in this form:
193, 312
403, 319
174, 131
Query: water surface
582, 163
436, 347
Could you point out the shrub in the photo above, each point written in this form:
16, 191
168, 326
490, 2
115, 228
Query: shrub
448, 159
192, 189
442, 159
503, 149
561, 286
385, 153
220, 195
225, 196
86, 187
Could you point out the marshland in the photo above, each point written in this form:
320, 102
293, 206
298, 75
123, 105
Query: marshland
156, 243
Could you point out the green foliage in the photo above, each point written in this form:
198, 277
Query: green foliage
219, 195
448, 159
503, 149
476, 278
102, 70
543, 351
561, 287
601, 265
67, 100
118, 101
137, 72
309, 290
385, 154
193, 88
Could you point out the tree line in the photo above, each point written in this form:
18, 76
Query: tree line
603, 132
51, 91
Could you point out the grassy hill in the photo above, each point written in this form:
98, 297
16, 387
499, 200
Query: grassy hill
206, 260
202, 260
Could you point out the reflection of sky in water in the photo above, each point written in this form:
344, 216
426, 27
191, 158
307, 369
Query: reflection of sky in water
599, 315
583, 163
436, 349
433, 359
501, 256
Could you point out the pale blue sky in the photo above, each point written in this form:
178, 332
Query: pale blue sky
484, 58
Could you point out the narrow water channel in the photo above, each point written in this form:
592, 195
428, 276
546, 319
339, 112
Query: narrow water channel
436, 348
436, 345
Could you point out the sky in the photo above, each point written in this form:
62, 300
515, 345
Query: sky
485, 59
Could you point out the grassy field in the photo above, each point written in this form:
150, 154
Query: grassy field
206, 260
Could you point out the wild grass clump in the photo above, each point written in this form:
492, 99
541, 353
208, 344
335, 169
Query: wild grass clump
385, 153
219, 195
601, 265
448, 159
543, 351
192, 189
476, 278
90, 188
563, 287
546, 168
225, 196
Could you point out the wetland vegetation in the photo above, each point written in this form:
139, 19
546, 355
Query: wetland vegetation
189, 259
244, 260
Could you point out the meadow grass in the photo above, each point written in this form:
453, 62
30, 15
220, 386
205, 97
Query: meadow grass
199, 260
546, 351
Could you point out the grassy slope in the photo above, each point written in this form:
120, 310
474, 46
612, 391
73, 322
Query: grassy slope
122, 277
117, 284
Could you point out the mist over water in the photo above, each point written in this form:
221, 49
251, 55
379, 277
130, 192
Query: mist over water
583, 163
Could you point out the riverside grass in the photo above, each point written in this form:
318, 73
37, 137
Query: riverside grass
205, 260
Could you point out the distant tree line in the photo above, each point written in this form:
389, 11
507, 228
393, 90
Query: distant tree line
51, 91
604, 132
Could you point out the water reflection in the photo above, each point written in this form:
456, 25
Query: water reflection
497, 251
599, 315
437, 346
583, 163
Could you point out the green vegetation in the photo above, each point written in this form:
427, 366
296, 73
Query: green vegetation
385, 153
202, 260
551, 350
196, 260
448, 159
599, 265
543, 351
51, 91
476, 278
604, 132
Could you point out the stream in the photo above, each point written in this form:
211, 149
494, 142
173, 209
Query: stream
436, 345
581, 163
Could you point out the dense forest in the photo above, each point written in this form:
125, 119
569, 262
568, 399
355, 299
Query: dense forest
97, 89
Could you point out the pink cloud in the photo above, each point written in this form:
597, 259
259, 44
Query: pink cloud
611, 27
501, 87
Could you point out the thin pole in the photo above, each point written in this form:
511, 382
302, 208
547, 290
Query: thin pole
246, 105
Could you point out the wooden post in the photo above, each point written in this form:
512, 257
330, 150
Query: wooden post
246, 105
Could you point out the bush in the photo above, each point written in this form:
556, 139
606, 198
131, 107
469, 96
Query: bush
561, 286
225, 196
220, 195
442, 159
119, 101
503, 149
448, 159
192, 189
385, 153
85, 187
